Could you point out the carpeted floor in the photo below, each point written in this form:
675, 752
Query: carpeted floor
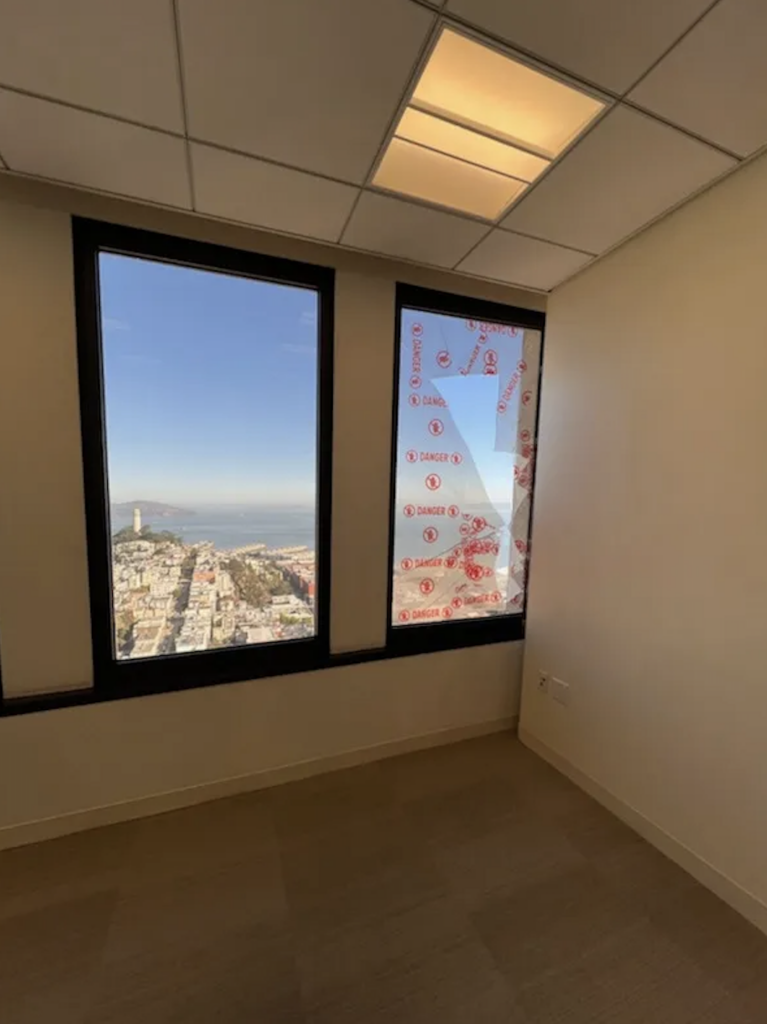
469, 884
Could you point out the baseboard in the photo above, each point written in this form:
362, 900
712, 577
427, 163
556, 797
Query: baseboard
96, 817
725, 888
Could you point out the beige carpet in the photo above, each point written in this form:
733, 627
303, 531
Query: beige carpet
465, 885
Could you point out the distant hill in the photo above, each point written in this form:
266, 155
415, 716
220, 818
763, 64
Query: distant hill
150, 508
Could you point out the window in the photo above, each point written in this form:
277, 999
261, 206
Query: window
466, 389
204, 392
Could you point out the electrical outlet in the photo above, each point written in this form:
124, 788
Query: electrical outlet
543, 682
560, 691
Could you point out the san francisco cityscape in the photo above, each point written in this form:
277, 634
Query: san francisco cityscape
173, 596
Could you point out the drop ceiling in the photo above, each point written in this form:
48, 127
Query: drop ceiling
282, 115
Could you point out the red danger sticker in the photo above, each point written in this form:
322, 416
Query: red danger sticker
407, 563
443, 359
409, 511
417, 330
430, 534
433, 481
426, 586
415, 381
435, 427
403, 617
411, 455
447, 612
414, 400
457, 602
453, 511
425, 613
456, 458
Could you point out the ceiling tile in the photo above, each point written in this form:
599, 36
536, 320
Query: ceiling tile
608, 42
53, 141
310, 84
249, 190
395, 228
626, 171
108, 55
516, 259
715, 81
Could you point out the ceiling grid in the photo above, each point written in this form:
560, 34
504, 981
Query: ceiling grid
184, 115
421, 56
306, 119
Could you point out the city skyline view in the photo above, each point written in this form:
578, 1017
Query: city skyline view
210, 398
210, 391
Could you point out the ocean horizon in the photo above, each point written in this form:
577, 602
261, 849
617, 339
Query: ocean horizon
234, 526
237, 526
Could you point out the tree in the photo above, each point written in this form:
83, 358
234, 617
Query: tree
128, 534
280, 586
124, 622
290, 620
257, 587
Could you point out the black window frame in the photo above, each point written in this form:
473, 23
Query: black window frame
162, 673
449, 635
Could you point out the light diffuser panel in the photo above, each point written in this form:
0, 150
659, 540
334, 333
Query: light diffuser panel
478, 126
475, 85
426, 174
454, 140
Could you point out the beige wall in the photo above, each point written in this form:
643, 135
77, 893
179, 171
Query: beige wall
81, 766
649, 565
44, 638
73, 760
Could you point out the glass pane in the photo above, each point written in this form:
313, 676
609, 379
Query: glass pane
467, 408
210, 385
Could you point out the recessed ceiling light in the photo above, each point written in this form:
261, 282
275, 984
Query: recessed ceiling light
427, 174
450, 138
478, 127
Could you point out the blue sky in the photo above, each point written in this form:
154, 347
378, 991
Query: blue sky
472, 401
210, 384
471, 421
